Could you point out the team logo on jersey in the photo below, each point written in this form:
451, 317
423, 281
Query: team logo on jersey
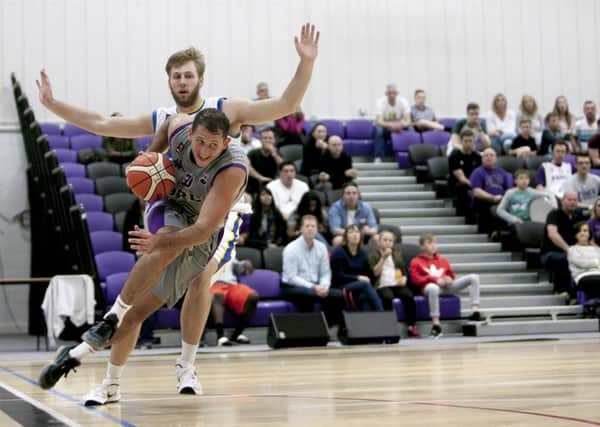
187, 181
203, 179
179, 148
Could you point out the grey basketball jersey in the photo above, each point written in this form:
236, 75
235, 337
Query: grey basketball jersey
193, 182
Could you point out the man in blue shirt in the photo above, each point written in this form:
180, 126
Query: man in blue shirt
351, 210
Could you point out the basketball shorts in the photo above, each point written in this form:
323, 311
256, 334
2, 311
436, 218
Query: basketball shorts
235, 295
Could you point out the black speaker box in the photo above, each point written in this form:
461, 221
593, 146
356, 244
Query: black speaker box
369, 327
297, 330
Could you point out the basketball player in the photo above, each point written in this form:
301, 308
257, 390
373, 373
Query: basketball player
185, 80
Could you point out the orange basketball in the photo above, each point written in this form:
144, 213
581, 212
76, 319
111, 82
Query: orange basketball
151, 176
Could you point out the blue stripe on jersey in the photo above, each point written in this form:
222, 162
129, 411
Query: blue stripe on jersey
230, 244
219, 103
154, 120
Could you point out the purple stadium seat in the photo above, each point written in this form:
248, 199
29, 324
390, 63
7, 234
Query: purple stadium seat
571, 159
73, 170
334, 127
449, 307
595, 171
448, 122
436, 137
348, 145
58, 141
143, 142
106, 241
359, 129
308, 125
113, 285
112, 262
97, 221
402, 140
50, 129
81, 185
363, 147
71, 130
264, 282
87, 140
167, 318
90, 202
64, 155
265, 308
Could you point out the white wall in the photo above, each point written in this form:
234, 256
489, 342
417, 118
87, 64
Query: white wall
109, 55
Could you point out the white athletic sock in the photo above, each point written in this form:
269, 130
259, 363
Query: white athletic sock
119, 308
188, 352
114, 372
81, 351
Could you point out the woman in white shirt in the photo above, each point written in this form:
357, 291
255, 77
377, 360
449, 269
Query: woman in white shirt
584, 261
501, 123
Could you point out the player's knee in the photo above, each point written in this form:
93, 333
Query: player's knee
252, 300
432, 289
218, 299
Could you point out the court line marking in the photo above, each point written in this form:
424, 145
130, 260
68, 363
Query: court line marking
60, 417
69, 398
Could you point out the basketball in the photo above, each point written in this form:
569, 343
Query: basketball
151, 176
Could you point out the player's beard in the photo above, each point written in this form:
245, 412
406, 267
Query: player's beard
191, 99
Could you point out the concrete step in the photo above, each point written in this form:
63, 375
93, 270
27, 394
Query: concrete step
513, 289
476, 267
371, 188
455, 239
416, 212
381, 173
553, 311
530, 327
424, 221
505, 279
398, 204
416, 230
515, 301
459, 248
395, 179
396, 195
361, 166
479, 257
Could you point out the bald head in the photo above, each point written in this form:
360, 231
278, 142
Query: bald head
569, 201
488, 158
335, 146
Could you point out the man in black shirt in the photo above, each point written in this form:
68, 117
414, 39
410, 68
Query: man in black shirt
559, 234
461, 163
524, 144
264, 162
335, 166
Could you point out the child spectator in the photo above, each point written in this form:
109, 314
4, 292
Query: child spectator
528, 109
422, 117
310, 204
550, 134
524, 145
267, 226
516, 202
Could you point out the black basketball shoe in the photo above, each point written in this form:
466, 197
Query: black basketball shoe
99, 334
62, 365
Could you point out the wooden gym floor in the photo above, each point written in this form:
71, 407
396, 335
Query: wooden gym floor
522, 383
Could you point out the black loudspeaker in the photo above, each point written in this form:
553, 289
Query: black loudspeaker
297, 330
369, 327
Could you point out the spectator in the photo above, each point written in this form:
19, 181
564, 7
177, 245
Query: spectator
262, 92
290, 129
310, 204
287, 190
583, 183
551, 134
228, 293
559, 234
489, 184
433, 275
501, 123
351, 210
516, 202
586, 127
422, 117
264, 162
390, 279
267, 226
471, 122
553, 174
462, 163
594, 222
335, 166
351, 272
584, 261
247, 140
528, 109
566, 120
593, 150
306, 276
392, 114
119, 150
524, 145
314, 147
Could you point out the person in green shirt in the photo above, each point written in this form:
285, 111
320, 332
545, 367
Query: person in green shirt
515, 204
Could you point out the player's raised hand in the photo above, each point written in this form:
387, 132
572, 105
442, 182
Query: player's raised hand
44, 88
307, 45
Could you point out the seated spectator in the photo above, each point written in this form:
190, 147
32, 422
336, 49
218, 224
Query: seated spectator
247, 140
528, 109
390, 279
462, 163
119, 150
287, 190
392, 114
422, 117
335, 167
237, 297
594, 149
306, 276
524, 145
584, 261
583, 183
310, 204
471, 122
594, 222
290, 129
501, 124
586, 127
433, 275
351, 272
267, 226
264, 162
553, 174
559, 234
262, 92
314, 147
351, 210
489, 184
551, 134
566, 120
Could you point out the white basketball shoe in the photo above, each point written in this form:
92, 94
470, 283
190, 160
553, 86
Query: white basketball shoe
187, 382
107, 392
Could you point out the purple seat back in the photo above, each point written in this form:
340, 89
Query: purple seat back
143, 142
81, 185
114, 284
73, 170
359, 129
167, 318
106, 241
571, 160
436, 137
595, 171
87, 140
402, 140
308, 125
50, 128
363, 147
112, 262
334, 127
97, 221
448, 122
58, 141
64, 155
90, 202
264, 282
348, 145
72, 130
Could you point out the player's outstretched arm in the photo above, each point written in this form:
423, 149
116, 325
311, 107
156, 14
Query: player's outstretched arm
160, 142
123, 127
244, 111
